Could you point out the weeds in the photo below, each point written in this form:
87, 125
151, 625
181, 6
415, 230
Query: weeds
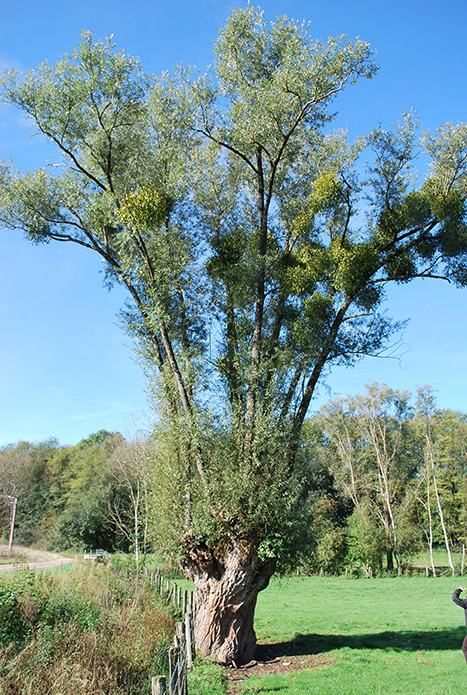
95, 631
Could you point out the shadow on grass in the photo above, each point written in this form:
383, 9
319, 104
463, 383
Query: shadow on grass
399, 641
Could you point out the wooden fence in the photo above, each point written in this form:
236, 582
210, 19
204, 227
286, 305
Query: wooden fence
182, 652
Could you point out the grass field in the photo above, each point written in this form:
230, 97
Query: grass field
400, 635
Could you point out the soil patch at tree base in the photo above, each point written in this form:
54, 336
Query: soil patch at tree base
271, 660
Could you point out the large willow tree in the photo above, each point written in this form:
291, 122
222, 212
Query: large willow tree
256, 250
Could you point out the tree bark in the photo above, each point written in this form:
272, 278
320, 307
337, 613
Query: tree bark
227, 586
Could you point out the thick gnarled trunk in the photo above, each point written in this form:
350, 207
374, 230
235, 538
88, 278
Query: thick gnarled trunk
227, 586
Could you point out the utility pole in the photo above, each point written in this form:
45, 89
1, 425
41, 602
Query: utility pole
14, 501
13, 518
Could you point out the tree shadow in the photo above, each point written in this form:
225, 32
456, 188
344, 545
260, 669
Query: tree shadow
403, 640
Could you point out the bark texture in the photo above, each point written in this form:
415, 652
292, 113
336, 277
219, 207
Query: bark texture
227, 586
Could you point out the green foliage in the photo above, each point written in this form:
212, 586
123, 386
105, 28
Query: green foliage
443, 445
326, 193
366, 540
13, 625
276, 75
65, 493
78, 515
328, 548
31, 603
75, 633
243, 503
146, 208
24, 472
353, 263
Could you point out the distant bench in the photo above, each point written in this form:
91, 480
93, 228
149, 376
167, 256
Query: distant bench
98, 554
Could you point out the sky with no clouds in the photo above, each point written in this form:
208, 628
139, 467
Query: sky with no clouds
66, 367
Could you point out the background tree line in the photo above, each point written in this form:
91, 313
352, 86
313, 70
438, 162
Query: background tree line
90, 495
389, 471
387, 479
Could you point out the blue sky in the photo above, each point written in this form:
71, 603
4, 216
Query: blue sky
66, 368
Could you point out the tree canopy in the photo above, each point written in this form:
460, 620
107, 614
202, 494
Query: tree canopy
256, 244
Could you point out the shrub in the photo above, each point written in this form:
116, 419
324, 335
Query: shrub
96, 631
13, 626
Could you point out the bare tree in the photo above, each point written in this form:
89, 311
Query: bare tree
129, 467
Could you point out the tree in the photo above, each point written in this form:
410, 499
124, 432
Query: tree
129, 467
372, 454
452, 449
81, 492
24, 473
443, 437
228, 209
329, 509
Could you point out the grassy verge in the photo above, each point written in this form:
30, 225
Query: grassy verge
12, 559
93, 630
206, 678
379, 636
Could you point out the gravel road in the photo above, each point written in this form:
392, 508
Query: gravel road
33, 559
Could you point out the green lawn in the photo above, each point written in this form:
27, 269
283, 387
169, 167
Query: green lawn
400, 635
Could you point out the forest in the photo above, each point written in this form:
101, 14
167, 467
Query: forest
386, 481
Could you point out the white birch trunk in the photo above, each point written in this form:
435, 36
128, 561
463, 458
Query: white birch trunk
440, 508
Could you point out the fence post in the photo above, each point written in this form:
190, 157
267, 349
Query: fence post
182, 653
179, 640
180, 631
173, 669
193, 602
183, 670
189, 638
158, 685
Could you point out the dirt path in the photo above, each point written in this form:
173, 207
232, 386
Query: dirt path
31, 558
